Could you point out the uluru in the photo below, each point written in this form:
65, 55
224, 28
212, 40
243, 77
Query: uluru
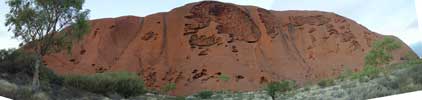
192, 45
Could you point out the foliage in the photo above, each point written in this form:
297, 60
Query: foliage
380, 54
168, 87
75, 32
7, 88
18, 62
282, 86
37, 22
410, 56
49, 77
381, 51
123, 83
347, 72
404, 77
24, 93
15, 61
224, 77
326, 82
415, 61
409, 79
205, 94
368, 71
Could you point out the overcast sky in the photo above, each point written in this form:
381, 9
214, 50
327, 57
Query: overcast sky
391, 17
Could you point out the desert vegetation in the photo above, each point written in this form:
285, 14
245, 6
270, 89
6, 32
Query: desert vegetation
47, 27
205, 94
224, 77
37, 22
275, 88
123, 83
168, 87
17, 71
393, 79
377, 78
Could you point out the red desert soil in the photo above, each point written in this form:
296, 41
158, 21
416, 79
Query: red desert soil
192, 45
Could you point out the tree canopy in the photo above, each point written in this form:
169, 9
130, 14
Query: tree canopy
38, 21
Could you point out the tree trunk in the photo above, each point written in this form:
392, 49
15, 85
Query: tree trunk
35, 77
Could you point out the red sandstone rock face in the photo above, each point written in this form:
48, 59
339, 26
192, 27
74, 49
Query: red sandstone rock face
193, 44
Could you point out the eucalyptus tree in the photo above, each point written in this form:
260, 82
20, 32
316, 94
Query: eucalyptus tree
41, 25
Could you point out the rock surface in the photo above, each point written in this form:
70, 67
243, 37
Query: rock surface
192, 45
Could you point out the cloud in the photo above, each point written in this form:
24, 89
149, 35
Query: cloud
418, 4
414, 24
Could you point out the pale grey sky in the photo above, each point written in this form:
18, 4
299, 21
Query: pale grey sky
392, 17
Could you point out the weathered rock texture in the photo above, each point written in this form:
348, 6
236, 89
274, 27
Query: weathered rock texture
192, 45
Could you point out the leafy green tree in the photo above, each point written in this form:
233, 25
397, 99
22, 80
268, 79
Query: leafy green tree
381, 51
38, 23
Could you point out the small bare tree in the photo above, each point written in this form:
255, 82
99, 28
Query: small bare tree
38, 22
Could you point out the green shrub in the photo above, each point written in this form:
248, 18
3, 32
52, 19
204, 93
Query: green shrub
205, 94
414, 62
168, 87
224, 77
410, 56
6, 88
405, 77
283, 86
15, 61
415, 73
368, 71
18, 65
48, 77
409, 79
326, 82
123, 83
347, 72
24, 93
367, 90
